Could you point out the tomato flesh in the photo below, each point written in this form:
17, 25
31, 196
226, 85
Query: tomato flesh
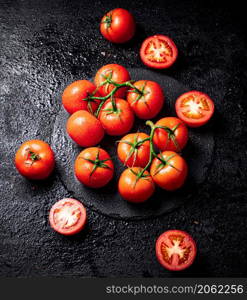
175, 250
67, 216
194, 108
158, 51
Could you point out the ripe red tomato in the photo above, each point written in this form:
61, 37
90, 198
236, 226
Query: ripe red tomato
170, 173
74, 96
115, 73
94, 167
118, 26
85, 129
194, 108
131, 152
68, 216
134, 190
35, 159
174, 137
148, 104
158, 52
119, 121
175, 250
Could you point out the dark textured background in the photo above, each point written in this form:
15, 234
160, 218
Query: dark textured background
46, 44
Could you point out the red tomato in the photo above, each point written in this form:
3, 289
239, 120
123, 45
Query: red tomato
175, 250
134, 190
35, 159
94, 167
158, 52
115, 73
75, 97
174, 137
170, 173
68, 216
194, 108
85, 129
119, 121
132, 152
118, 26
148, 104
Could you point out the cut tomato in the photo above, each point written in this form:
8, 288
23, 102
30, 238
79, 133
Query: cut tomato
68, 216
194, 108
158, 52
175, 250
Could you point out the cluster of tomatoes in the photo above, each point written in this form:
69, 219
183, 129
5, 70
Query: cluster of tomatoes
109, 106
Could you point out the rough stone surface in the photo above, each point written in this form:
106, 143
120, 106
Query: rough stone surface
44, 45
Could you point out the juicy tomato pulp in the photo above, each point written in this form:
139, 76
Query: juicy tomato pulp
194, 108
175, 250
118, 26
158, 52
68, 216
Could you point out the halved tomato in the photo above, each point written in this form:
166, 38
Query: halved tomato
194, 108
175, 250
158, 52
68, 216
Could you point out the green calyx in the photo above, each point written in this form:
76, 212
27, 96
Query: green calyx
107, 21
98, 163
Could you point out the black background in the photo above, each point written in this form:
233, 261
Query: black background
44, 45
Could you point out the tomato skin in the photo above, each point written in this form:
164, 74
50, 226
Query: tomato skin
121, 27
187, 243
75, 92
150, 104
160, 62
117, 123
199, 119
161, 139
143, 151
119, 75
61, 205
84, 129
132, 191
39, 168
169, 178
83, 168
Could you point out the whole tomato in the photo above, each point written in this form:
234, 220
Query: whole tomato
35, 160
173, 136
170, 171
116, 120
149, 102
134, 189
111, 72
76, 97
134, 149
94, 167
118, 26
84, 129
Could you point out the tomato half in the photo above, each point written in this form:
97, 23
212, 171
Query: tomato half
175, 250
118, 26
75, 97
35, 160
173, 137
194, 108
84, 129
132, 152
134, 190
115, 73
94, 167
149, 103
169, 171
158, 52
116, 121
68, 216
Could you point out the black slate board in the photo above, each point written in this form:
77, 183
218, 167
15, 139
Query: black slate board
107, 200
